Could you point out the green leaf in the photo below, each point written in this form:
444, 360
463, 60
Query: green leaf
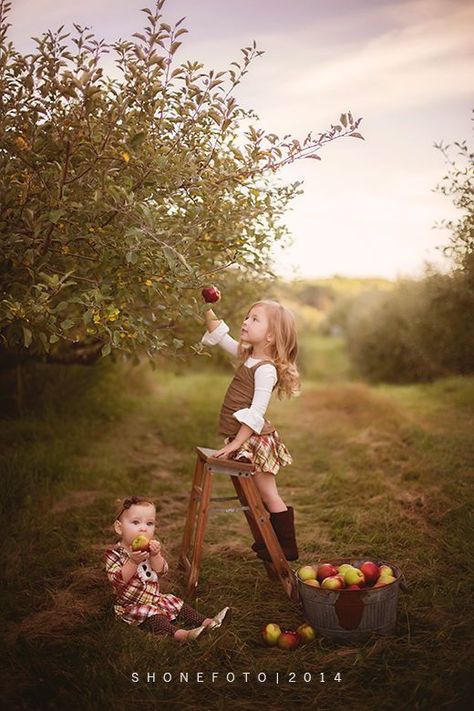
67, 324
53, 338
55, 215
106, 349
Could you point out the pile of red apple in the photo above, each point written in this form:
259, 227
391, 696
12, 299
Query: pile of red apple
274, 636
347, 576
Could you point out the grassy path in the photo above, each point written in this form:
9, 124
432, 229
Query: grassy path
381, 471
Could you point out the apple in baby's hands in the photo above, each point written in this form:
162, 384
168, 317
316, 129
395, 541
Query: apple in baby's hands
211, 294
306, 632
326, 570
141, 543
371, 571
271, 633
288, 640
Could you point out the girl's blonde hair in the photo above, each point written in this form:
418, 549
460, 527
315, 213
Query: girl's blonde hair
282, 349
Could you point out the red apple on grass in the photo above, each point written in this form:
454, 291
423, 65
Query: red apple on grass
288, 640
371, 571
325, 570
271, 634
306, 632
141, 543
211, 294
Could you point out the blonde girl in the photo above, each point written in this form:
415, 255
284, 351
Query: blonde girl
266, 360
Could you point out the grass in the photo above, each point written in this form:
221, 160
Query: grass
378, 471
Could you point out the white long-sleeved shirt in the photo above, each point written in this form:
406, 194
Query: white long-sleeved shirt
265, 378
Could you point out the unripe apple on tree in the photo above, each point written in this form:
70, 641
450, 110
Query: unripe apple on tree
141, 543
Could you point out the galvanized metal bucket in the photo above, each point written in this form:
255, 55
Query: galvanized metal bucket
352, 615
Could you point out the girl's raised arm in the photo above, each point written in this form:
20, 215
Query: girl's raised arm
218, 334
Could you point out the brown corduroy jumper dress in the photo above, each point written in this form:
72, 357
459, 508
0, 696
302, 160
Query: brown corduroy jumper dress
265, 450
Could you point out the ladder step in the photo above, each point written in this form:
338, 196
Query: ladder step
224, 498
213, 509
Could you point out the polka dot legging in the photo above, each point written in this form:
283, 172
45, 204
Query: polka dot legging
159, 624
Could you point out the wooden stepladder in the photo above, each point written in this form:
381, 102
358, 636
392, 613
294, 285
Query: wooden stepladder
252, 505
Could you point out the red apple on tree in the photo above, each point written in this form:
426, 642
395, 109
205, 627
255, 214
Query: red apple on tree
325, 570
141, 543
211, 294
288, 640
271, 634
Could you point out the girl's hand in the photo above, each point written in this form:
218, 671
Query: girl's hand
228, 449
155, 548
139, 556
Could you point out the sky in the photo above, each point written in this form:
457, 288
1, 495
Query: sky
404, 66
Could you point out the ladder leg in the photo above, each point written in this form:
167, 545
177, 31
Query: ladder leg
200, 529
191, 513
262, 520
243, 500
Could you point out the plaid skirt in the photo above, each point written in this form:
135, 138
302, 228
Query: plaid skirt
266, 452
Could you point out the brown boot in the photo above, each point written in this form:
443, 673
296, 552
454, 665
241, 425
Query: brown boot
283, 525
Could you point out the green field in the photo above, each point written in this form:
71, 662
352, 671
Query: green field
378, 471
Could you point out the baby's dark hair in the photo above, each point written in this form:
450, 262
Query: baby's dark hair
124, 504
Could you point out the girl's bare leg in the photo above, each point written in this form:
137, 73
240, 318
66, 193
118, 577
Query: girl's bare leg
266, 485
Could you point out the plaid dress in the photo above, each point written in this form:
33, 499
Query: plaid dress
138, 599
266, 452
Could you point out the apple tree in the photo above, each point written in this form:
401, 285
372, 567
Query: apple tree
122, 194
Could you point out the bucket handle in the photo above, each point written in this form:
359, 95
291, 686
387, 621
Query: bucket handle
403, 584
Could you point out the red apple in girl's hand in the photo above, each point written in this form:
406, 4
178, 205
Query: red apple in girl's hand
211, 294
141, 543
